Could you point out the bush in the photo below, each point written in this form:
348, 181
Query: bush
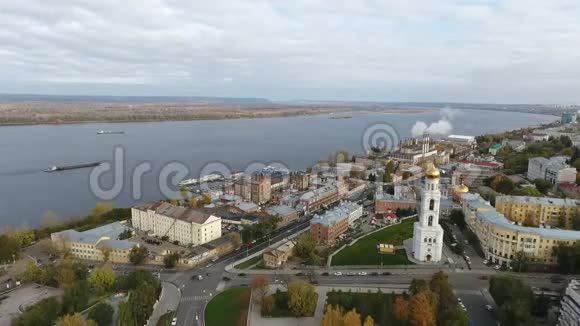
102, 314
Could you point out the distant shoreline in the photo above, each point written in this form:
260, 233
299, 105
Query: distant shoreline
15, 117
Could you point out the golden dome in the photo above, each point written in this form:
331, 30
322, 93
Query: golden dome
432, 172
461, 189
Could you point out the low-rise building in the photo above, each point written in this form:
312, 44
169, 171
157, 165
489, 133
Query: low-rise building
275, 257
189, 226
96, 244
493, 149
323, 196
403, 198
328, 226
570, 305
501, 238
555, 169
556, 212
461, 140
300, 180
537, 136
286, 214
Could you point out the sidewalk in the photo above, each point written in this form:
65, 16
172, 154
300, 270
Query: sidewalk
168, 301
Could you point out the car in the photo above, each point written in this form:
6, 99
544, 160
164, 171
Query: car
484, 277
325, 274
300, 274
337, 274
386, 273
485, 261
242, 274
489, 308
497, 267
225, 278
362, 274
350, 274
556, 279
174, 321
459, 301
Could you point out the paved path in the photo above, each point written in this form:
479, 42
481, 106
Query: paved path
168, 301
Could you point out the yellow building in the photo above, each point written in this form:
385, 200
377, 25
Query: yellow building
275, 257
96, 243
501, 238
535, 211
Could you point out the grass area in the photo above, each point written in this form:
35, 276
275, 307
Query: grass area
228, 308
378, 305
249, 263
364, 251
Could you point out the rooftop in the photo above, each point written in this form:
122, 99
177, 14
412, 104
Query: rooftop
336, 214
281, 210
106, 235
192, 215
539, 200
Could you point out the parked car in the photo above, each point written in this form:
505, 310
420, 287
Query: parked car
362, 274
489, 308
225, 278
386, 273
174, 321
325, 274
337, 274
350, 274
242, 274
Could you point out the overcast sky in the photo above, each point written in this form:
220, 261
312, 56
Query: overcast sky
512, 51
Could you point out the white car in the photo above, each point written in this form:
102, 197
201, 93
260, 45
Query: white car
337, 274
485, 262
488, 307
362, 273
174, 322
496, 267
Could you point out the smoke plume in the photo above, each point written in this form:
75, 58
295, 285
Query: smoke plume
441, 127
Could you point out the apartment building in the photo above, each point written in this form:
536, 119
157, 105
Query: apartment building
189, 226
314, 199
96, 244
501, 238
328, 226
242, 188
554, 169
286, 214
300, 180
260, 188
570, 311
556, 212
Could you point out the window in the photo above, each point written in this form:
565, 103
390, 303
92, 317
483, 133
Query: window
431, 204
430, 222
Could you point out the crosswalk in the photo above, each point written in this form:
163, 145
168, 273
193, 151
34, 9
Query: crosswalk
195, 298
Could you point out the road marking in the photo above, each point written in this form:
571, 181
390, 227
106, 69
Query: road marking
194, 298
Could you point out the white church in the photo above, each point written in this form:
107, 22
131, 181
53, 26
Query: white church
427, 233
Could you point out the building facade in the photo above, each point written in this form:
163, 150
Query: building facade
327, 227
189, 226
276, 256
570, 305
555, 169
300, 180
260, 188
315, 199
536, 211
501, 238
97, 244
427, 233
286, 214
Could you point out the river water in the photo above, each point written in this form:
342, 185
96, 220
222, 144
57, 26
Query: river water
27, 193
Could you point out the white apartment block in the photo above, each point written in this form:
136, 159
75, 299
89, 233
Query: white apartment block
554, 169
189, 226
570, 312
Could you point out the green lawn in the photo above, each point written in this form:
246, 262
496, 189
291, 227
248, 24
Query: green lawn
364, 251
228, 308
248, 263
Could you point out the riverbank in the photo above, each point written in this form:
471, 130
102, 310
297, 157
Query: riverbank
23, 114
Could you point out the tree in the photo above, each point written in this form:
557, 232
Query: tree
235, 238
102, 314
65, 274
418, 285
184, 193
526, 191
137, 309
137, 255
333, 316
43, 313
102, 208
369, 321
9, 249
506, 289
24, 237
301, 298
74, 320
516, 313
102, 279
458, 217
106, 251
421, 309
76, 299
520, 262
387, 178
259, 288
401, 309
193, 202
49, 220
543, 185
305, 247
390, 167
352, 318
170, 261
268, 305
576, 220
205, 200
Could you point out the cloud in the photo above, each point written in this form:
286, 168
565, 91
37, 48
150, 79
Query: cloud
507, 51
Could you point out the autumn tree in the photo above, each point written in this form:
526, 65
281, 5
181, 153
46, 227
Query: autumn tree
301, 298
102, 279
184, 193
137, 255
268, 305
369, 321
418, 285
74, 320
352, 318
401, 309
235, 238
333, 316
259, 288
421, 309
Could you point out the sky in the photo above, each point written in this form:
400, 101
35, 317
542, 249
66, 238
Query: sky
511, 51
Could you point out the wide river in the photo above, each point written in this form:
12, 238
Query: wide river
27, 193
